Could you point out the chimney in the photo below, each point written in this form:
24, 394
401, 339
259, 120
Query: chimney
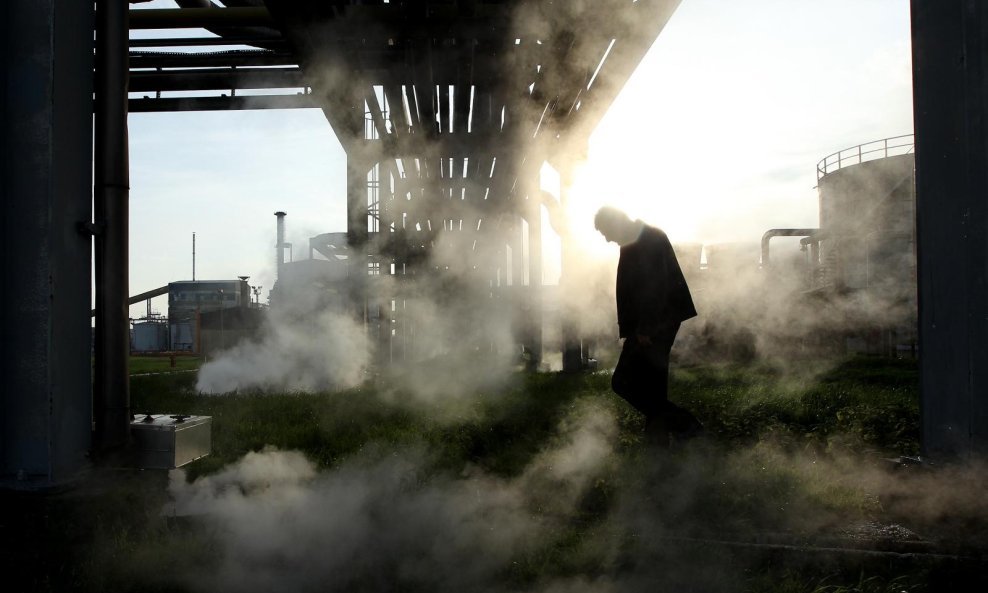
280, 245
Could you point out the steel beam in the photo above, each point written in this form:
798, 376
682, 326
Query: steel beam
216, 79
225, 103
268, 41
226, 59
196, 18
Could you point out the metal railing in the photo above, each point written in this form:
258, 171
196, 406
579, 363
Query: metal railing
876, 149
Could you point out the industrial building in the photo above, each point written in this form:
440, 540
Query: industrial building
203, 316
189, 302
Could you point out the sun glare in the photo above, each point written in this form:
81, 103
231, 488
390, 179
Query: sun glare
607, 179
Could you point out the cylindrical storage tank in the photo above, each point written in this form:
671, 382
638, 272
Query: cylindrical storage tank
868, 216
150, 336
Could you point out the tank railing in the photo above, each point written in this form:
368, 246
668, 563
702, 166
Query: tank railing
877, 149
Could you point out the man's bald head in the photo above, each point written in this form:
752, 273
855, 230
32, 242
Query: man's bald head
616, 226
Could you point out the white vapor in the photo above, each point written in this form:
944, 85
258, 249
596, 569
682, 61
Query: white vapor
318, 352
381, 523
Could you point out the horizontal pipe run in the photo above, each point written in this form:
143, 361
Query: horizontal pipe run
241, 102
271, 42
265, 40
216, 79
220, 59
142, 297
199, 18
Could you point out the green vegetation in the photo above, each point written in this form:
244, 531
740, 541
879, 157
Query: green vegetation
140, 365
792, 454
868, 403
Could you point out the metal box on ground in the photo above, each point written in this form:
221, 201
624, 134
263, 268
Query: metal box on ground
167, 441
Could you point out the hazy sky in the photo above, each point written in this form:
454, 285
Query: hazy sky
715, 138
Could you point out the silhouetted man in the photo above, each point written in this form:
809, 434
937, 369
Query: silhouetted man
652, 301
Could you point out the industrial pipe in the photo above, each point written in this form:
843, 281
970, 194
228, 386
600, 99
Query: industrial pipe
781, 233
144, 296
205, 18
280, 245
111, 193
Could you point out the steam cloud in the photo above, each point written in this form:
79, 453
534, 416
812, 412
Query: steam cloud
387, 521
377, 523
324, 351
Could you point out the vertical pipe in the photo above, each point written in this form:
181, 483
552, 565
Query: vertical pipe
193, 257
111, 193
279, 245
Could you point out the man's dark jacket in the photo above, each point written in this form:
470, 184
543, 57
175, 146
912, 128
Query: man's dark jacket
652, 295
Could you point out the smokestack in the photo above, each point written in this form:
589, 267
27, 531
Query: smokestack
280, 244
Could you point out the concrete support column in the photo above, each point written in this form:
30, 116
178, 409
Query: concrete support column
534, 291
517, 245
950, 95
572, 351
46, 64
515, 260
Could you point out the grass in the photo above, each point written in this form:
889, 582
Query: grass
786, 452
872, 402
140, 365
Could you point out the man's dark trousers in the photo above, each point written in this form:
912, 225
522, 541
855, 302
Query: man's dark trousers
641, 377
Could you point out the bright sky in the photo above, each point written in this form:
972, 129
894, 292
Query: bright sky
715, 139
